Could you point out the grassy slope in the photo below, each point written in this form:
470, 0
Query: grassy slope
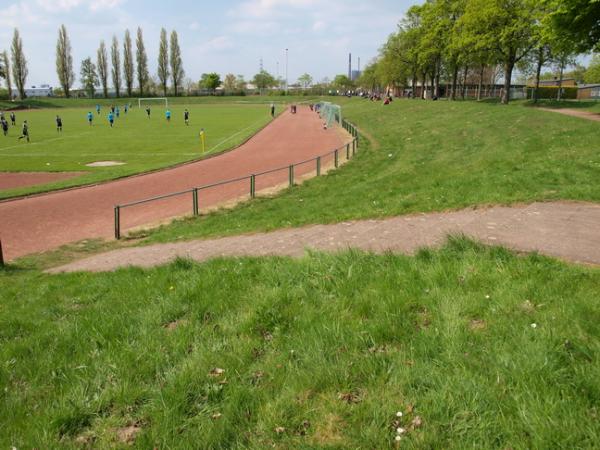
143, 144
431, 156
327, 347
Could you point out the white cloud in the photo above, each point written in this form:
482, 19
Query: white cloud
194, 26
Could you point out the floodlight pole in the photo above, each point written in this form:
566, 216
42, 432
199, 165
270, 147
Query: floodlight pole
286, 71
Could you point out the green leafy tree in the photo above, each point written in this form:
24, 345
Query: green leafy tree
264, 80
102, 66
128, 70
64, 61
305, 80
89, 76
177, 72
507, 28
592, 74
577, 21
343, 82
210, 81
5, 64
142, 62
163, 61
19, 63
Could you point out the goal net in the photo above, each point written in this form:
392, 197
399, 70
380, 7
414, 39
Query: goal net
153, 100
330, 113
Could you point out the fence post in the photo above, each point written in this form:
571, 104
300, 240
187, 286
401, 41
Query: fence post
117, 222
252, 186
318, 166
347, 152
1, 256
336, 158
291, 175
195, 201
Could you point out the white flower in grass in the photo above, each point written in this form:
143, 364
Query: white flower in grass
390, 155
398, 438
399, 414
487, 297
400, 430
534, 325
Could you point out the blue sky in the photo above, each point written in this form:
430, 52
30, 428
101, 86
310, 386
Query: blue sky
221, 36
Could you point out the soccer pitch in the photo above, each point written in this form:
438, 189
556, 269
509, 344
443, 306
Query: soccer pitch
140, 142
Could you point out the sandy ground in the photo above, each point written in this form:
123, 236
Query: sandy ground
566, 230
11, 180
46, 222
576, 113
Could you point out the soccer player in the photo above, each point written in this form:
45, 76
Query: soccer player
168, 115
25, 132
98, 109
112, 108
111, 119
58, 124
4, 125
90, 118
126, 108
272, 109
186, 117
13, 119
148, 111
117, 112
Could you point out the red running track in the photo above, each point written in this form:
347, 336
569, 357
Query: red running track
45, 222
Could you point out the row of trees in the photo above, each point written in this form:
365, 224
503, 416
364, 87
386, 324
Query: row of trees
124, 73
444, 40
170, 66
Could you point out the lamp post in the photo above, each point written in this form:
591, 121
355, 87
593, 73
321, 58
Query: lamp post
286, 71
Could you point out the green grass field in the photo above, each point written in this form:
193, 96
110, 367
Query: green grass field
476, 346
317, 353
140, 143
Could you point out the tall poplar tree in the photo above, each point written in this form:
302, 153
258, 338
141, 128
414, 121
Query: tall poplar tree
177, 72
19, 63
142, 62
128, 63
64, 61
115, 58
163, 61
7, 76
102, 66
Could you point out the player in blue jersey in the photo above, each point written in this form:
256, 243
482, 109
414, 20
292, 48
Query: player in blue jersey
168, 115
90, 118
97, 109
117, 112
111, 119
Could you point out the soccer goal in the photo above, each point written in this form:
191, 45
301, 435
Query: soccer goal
330, 113
153, 99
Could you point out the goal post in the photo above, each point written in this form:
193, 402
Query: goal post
330, 113
153, 99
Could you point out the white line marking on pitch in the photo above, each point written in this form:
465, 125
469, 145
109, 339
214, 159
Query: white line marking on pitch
44, 142
233, 135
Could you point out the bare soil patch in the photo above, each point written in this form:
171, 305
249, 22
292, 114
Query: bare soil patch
576, 113
105, 163
12, 180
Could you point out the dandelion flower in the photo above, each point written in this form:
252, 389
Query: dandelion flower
534, 325
400, 430
398, 438
399, 414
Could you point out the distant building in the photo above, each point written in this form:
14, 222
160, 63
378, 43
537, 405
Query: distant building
588, 92
43, 90
566, 82
355, 75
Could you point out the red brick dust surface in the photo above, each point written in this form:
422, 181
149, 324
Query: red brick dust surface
48, 221
12, 180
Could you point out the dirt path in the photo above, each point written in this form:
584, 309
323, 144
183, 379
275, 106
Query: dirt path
48, 221
576, 113
561, 229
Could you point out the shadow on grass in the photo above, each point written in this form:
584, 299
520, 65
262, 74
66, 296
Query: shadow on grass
555, 104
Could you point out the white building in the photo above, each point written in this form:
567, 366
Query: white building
43, 90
